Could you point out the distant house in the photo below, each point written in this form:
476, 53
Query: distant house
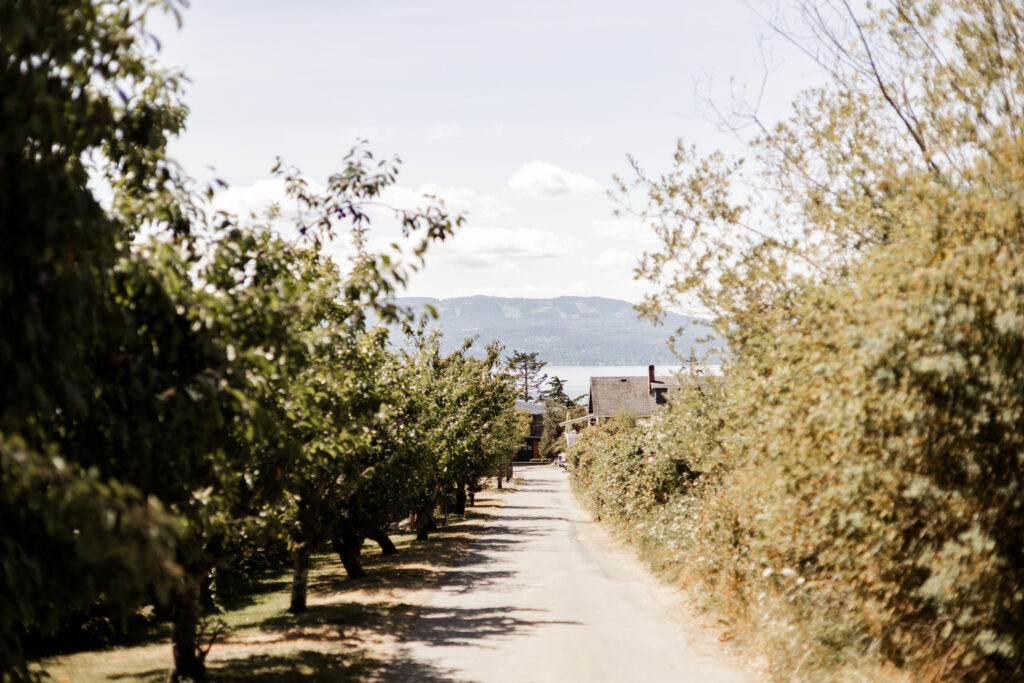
530, 447
637, 395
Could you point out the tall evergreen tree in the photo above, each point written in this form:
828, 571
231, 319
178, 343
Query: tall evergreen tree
555, 393
527, 369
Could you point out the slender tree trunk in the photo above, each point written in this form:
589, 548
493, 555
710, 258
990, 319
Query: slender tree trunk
472, 497
381, 539
188, 664
501, 473
300, 578
460, 500
348, 546
425, 523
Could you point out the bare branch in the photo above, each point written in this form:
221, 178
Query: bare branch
918, 138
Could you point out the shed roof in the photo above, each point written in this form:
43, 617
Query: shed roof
612, 395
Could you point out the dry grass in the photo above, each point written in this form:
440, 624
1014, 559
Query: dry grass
761, 630
349, 631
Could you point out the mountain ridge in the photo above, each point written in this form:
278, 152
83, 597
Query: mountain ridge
565, 330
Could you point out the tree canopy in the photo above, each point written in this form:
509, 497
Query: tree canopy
178, 386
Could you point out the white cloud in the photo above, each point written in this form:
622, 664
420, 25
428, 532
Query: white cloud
484, 247
637, 235
256, 198
250, 199
616, 258
477, 205
547, 180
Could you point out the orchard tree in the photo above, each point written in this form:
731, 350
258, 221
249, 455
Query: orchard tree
469, 421
82, 96
148, 384
388, 464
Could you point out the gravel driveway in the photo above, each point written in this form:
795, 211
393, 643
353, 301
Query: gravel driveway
543, 595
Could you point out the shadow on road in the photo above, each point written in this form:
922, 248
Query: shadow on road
462, 626
404, 670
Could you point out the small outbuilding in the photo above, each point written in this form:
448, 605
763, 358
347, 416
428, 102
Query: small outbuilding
530, 448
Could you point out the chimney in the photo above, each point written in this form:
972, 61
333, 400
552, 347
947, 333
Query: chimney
650, 379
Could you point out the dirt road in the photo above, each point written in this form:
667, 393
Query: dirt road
542, 595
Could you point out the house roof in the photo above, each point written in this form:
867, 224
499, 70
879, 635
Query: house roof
532, 408
612, 395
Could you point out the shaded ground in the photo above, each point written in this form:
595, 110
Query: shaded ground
543, 595
350, 629
524, 588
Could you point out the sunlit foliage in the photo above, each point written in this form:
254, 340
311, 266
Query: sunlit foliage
866, 452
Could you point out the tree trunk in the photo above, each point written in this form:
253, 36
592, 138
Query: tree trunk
472, 497
381, 539
425, 524
460, 500
300, 579
500, 474
348, 546
188, 663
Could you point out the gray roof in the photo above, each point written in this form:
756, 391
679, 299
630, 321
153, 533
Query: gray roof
532, 408
612, 395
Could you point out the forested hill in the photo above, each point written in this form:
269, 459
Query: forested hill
567, 330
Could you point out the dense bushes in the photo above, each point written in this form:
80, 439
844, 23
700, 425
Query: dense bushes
620, 479
864, 485
859, 475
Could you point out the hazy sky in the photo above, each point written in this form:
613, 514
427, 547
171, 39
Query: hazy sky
518, 113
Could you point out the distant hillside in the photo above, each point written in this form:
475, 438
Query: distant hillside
567, 330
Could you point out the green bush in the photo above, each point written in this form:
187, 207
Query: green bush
617, 474
861, 475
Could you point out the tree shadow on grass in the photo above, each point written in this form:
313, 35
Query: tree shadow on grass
305, 665
256, 591
422, 564
336, 622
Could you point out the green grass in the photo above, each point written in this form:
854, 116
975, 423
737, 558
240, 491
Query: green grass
349, 629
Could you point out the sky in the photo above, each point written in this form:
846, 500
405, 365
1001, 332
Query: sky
518, 114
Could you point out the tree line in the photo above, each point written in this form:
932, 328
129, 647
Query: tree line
180, 388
